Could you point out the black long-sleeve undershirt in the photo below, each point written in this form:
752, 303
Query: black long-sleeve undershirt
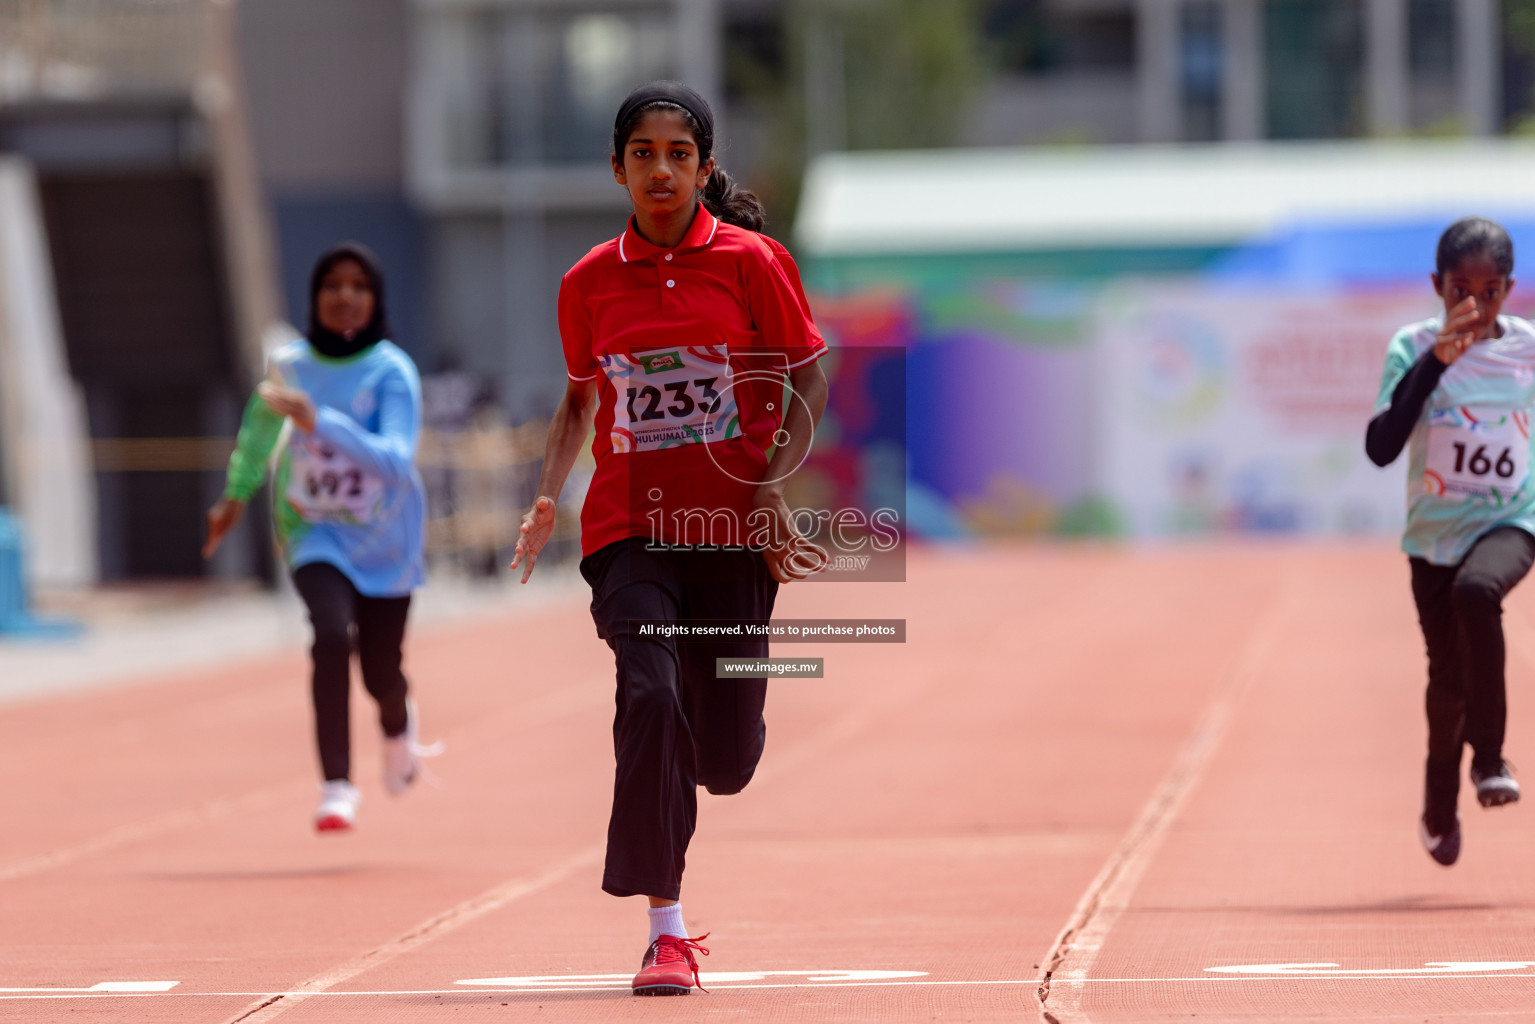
1388, 431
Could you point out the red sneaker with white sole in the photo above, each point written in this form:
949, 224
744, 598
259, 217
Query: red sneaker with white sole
669, 968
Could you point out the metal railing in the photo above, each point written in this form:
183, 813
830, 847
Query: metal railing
479, 481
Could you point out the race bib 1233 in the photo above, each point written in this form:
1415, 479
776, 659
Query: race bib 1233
667, 397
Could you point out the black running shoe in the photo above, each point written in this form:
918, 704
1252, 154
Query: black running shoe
1443, 848
1495, 788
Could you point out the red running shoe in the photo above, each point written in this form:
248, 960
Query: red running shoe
669, 968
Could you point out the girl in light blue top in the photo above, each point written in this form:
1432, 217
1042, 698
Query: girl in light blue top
1457, 392
349, 508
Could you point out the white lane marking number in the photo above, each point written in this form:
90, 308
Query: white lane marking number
1330, 970
538, 981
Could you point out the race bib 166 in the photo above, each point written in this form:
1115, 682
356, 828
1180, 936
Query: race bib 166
1478, 453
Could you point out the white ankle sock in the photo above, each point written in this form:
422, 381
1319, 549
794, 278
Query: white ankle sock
666, 921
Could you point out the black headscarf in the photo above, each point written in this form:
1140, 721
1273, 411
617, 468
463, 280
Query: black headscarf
327, 342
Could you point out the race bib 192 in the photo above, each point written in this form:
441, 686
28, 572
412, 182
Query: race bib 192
326, 486
667, 397
1477, 453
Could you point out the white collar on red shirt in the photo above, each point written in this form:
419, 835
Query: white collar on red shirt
700, 233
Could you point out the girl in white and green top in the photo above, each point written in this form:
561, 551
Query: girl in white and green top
1457, 392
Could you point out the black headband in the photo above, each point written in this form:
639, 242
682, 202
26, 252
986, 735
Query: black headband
666, 92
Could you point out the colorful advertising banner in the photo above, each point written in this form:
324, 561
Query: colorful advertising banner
1229, 409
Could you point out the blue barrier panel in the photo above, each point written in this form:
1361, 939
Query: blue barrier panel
16, 621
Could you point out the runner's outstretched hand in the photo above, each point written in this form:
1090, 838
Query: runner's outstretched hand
1459, 331
789, 556
290, 402
222, 518
533, 534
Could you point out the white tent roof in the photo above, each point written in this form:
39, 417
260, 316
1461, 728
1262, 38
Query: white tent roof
959, 200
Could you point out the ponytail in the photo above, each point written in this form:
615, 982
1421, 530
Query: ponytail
731, 203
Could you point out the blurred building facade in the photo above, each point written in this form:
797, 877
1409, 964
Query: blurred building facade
1127, 71
147, 276
466, 141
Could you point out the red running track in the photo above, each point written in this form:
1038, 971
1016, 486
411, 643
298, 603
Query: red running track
1091, 776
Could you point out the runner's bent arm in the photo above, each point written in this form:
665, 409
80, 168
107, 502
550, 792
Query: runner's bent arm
1410, 379
1388, 431
803, 415
390, 453
781, 313
259, 430
578, 406
567, 432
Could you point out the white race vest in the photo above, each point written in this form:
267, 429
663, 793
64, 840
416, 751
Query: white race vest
326, 486
667, 397
1478, 453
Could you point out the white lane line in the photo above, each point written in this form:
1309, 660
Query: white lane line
1292, 977
534, 981
1075, 950
1331, 970
107, 987
274, 1004
923, 983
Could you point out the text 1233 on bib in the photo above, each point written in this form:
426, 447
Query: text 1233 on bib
669, 397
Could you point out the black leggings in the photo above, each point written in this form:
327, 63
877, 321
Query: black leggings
335, 607
676, 727
1460, 608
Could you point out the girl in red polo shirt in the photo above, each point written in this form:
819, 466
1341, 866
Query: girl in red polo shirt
679, 336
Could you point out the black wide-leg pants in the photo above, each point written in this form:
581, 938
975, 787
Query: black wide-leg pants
676, 727
1460, 608
336, 607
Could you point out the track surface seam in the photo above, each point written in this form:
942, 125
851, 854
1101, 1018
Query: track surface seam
449, 920
217, 809
545, 709
1111, 889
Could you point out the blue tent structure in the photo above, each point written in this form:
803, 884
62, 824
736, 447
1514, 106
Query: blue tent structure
1354, 255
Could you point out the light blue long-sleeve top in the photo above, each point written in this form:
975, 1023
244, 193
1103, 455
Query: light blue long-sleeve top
346, 493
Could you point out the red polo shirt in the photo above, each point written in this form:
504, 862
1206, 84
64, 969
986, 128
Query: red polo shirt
690, 347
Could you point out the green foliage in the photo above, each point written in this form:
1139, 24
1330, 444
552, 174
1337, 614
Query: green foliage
909, 71
910, 65
1519, 36
1519, 24
1092, 517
